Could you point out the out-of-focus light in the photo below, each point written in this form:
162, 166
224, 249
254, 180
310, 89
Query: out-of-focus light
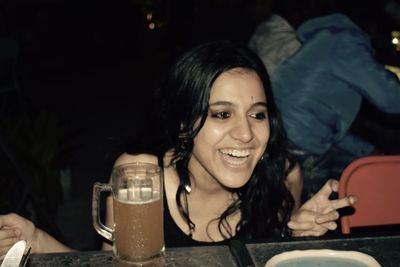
396, 39
152, 26
149, 16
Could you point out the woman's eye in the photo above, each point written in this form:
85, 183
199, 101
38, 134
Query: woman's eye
221, 115
259, 116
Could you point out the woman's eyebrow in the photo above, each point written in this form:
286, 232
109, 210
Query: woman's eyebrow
260, 103
227, 103
221, 103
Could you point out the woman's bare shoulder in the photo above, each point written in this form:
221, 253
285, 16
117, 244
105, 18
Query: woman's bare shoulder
129, 158
147, 158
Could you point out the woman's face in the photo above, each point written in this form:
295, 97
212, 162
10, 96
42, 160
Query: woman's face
235, 133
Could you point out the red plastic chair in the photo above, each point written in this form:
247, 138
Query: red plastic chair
375, 180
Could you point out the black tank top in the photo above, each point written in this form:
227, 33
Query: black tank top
175, 237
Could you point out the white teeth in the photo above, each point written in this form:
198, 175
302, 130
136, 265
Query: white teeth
236, 153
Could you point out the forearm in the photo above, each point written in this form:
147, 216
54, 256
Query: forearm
294, 184
44, 243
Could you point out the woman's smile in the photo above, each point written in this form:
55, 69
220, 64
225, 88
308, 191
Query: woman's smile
235, 157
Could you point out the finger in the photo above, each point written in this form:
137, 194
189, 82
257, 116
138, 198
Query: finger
6, 245
317, 230
330, 186
9, 241
8, 220
8, 233
326, 218
304, 227
353, 199
314, 233
300, 226
343, 202
3, 250
330, 225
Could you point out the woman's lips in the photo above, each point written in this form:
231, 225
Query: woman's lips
235, 157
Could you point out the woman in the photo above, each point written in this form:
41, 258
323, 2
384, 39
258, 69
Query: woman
226, 168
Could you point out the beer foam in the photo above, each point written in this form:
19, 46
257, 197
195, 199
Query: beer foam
138, 195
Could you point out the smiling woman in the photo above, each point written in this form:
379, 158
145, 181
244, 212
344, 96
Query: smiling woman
217, 116
227, 172
235, 134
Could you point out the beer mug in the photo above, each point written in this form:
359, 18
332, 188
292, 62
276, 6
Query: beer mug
137, 191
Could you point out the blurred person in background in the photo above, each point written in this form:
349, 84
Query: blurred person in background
275, 38
320, 87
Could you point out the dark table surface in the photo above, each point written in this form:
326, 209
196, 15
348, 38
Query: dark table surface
185, 256
385, 249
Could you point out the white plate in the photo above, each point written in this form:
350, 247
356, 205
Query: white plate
14, 254
322, 257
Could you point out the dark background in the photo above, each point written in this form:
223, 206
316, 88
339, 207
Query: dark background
76, 82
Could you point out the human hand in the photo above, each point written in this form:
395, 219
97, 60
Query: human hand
319, 213
14, 228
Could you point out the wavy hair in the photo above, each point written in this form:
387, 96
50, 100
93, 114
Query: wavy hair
264, 201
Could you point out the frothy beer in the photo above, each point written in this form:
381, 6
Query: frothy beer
138, 217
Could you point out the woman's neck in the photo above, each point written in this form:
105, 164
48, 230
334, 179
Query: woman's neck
203, 183
207, 201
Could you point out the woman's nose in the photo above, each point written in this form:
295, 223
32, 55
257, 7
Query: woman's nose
242, 130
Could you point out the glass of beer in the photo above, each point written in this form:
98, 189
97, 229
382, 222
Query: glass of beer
137, 191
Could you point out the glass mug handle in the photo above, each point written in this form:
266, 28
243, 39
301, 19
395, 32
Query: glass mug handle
103, 230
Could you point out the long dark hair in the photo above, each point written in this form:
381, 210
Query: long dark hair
264, 201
